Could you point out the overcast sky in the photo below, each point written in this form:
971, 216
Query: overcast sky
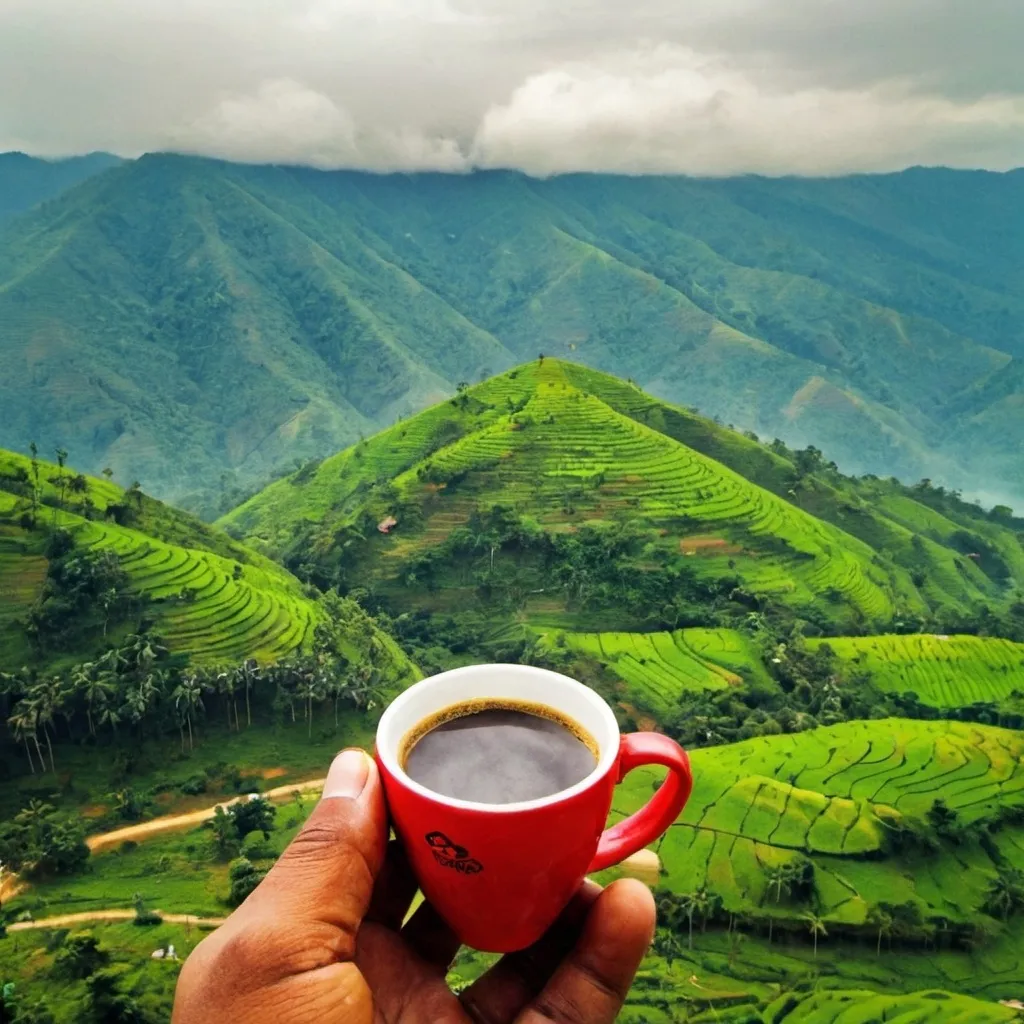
695, 86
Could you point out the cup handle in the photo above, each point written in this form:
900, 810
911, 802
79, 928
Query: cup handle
635, 832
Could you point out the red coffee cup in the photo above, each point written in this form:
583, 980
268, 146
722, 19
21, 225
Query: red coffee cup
500, 874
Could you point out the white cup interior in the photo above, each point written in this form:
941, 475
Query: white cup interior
506, 682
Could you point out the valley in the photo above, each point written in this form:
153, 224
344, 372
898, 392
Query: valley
842, 656
287, 312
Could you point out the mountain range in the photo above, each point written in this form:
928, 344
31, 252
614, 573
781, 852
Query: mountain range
200, 325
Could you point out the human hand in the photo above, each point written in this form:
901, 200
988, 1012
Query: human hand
321, 939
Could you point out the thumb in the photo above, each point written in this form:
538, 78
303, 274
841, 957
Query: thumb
326, 874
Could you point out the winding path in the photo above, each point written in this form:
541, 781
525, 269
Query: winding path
63, 920
174, 822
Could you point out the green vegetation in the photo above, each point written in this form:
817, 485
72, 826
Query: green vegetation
565, 496
26, 181
840, 656
657, 668
941, 671
287, 311
827, 821
83, 562
850, 1006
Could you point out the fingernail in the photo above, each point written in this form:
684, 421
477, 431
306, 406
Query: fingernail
348, 774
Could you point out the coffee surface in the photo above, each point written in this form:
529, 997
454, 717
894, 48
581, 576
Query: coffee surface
499, 754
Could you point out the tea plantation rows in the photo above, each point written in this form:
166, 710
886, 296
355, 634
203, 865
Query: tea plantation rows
657, 667
209, 598
565, 440
866, 1007
943, 671
210, 608
837, 795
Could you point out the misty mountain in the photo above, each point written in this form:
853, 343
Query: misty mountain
200, 325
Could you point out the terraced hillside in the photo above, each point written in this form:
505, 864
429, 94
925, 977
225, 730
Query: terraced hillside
942, 671
959, 553
539, 441
208, 597
655, 668
844, 797
845, 1006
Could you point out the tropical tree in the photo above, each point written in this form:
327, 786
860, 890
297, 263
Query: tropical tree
249, 673
816, 926
882, 920
62, 458
309, 690
22, 724
188, 699
779, 878
95, 686
1005, 895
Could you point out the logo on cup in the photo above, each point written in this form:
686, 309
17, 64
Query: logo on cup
451, 855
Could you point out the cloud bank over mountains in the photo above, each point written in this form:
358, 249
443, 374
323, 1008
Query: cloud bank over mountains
710, 87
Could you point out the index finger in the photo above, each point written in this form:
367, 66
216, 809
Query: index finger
591, 984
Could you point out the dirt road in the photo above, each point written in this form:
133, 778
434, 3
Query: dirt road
67, 920
175, 822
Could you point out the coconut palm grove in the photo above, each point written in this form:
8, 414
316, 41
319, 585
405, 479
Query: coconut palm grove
189, 631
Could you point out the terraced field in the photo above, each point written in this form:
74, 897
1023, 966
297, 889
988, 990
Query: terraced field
538, 440
208, 607
835, 794
943, 671
852, 1006
211, 598
570, 442
657, 668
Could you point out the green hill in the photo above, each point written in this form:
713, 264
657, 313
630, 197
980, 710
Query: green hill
208, 597
654, 669
286, 311
26, 181
572, 498
841, 1006
854, 801
940, 670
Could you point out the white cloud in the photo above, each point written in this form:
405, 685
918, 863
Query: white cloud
709, 86
669, 109
284, 121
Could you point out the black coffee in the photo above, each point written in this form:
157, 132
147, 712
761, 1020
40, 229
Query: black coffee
498, 752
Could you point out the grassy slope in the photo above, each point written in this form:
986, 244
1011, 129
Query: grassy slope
829, 794
653, 669
583, 424
289, 309
26, 181
243, 605
883, 514
944, 671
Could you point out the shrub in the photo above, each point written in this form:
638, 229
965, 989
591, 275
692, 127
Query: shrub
244, 878
256, 846
193, 785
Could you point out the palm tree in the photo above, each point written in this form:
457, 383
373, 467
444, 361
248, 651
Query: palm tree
95, 687
33, 817
107, 601
309, 690
45, 697
110, 715
1005, 894
816, 926
21, 723
226, 686
879, 919
188, 698
62, 457
249, 673
780, 877
688, 903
